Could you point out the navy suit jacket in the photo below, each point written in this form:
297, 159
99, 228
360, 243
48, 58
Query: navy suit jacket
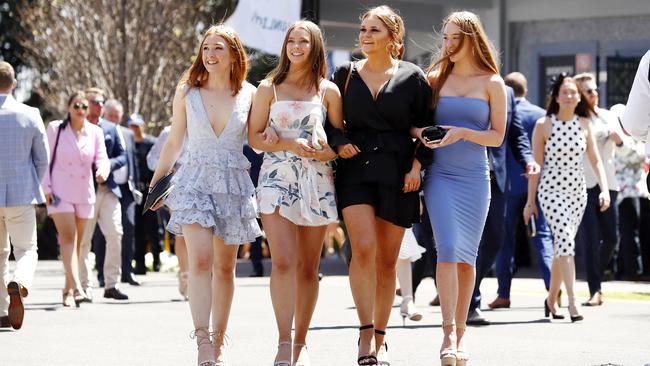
115, 151
529, 114
515, 140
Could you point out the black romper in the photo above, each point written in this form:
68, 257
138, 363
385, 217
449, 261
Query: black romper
380, 128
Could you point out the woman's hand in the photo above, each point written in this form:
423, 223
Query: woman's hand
604, 200
348, 150
529, 210
453, 135
100, 177
418, 133
48, 198
326, 153
270, 136
302, 147
412, 178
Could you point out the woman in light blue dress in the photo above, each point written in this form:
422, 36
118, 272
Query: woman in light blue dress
213, 204
469, 99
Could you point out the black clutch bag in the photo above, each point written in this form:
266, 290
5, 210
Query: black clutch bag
158, 192
433, 133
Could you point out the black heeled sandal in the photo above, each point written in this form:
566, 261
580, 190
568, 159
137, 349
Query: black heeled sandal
385, 345
366, 359
547, 311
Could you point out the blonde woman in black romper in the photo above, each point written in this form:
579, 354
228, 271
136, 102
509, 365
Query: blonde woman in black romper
377, 179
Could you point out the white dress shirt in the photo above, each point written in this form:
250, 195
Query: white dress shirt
636, 119
601, 126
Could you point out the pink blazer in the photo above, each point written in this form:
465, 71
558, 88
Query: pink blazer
72, 176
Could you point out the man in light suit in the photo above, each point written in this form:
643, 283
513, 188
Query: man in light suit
108, 212
494, 231
517, 195
127, 179
23, 163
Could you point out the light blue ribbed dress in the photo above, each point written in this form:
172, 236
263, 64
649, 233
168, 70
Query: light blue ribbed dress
457, 183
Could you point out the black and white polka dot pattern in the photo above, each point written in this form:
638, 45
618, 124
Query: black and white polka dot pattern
562, 191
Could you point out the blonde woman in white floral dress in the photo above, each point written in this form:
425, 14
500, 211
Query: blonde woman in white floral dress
295, 192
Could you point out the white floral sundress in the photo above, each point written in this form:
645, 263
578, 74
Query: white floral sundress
302, 188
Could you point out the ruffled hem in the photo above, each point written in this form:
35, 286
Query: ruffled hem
269, 199
221, 204
232, 230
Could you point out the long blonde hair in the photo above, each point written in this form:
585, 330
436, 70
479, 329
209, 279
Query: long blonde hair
395, 26
196, 75
316, 56
482, 50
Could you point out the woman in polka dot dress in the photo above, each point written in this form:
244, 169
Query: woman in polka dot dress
560, 141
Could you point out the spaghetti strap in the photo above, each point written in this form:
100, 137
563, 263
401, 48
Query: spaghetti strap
275, 95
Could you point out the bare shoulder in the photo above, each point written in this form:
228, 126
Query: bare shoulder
181, 92
264, 90
545, 125
494, 83
584, 123
330, 89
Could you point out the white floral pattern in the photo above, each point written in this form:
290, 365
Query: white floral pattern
212, 186
629, 170
302, 188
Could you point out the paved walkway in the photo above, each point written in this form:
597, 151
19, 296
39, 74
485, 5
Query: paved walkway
152, 328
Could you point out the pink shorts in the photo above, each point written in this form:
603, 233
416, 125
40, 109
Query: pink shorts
81, 210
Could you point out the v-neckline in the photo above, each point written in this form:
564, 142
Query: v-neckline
382, 86
207, 117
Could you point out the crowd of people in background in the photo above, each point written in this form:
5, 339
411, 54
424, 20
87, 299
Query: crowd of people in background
291, 159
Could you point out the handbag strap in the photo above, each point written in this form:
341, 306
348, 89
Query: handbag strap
347, 79
56, 144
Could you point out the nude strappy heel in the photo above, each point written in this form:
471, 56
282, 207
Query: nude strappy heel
202, 336
283, 362
301, 363
461, 356
448, 355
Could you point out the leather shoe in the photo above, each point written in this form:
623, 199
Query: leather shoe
595, 300
114, 293
435, 301
16, 307
131, 280
475, 317
499, 303
4, 322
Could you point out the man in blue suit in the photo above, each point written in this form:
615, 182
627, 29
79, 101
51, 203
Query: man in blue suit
517, 195
108, 211
23, 164
494, 231
127, 179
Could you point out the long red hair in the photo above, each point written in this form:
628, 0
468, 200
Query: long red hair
197, 75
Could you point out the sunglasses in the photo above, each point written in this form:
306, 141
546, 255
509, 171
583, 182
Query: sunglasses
591, 91
80, 106
98, 102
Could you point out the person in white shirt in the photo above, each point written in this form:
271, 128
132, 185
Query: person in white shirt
598, 232
636, 120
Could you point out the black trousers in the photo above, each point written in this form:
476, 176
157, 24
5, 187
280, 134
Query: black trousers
598, 237
491, 241
426, 265
629, 221
147, 227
